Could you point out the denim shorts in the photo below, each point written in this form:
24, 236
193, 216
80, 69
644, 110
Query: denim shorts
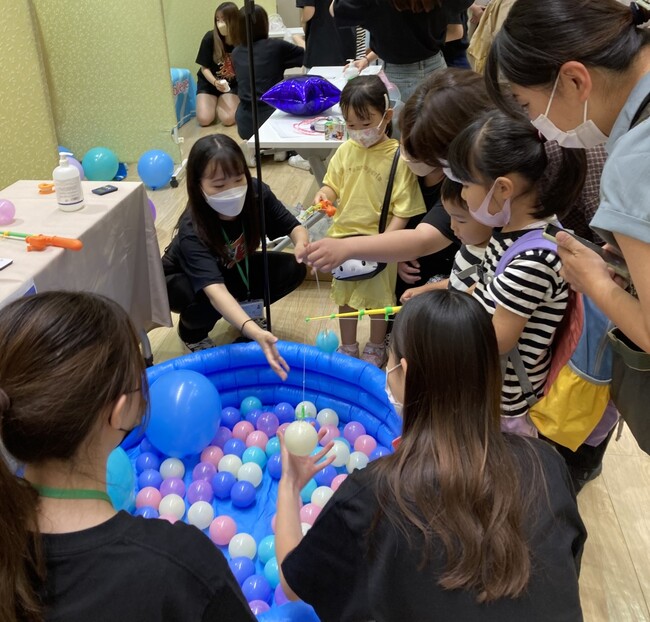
407, 77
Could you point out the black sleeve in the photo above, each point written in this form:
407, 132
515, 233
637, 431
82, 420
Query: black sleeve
206, 50
292, 55
279, 221
437, 217
353, 12
195, 260
228, 603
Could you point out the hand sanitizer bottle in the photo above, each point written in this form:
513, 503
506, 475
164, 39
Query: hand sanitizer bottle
67, 184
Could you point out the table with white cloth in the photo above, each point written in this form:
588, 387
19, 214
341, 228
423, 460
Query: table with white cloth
120, 257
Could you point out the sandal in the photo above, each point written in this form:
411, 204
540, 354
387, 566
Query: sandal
375, 354
349, 349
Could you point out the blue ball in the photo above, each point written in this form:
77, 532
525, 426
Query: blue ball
308, 491
256, 455
253, 415
274, 466
327, 341
242, 568
256, 587
312, 421
250, 403
285, 412
229, 417
273, 447
242, 494
379, 452
266, 548
145, 461
146, 446
272, 572
234, 446
222, 484
325, 476
120, 480
150, 477
155, 168
146, 511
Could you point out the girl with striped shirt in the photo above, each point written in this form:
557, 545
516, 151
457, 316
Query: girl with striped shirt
500, 162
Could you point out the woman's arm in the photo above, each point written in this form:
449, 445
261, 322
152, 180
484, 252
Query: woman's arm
300, 238
214, 81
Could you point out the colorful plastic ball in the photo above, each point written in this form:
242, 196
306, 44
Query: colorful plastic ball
256, 455
234, 447
7, 212
253, 415
327, 341
173, 505
274, 466
172, 467
272, 447
222, 484
279, 597
242, 545
155, 168
256, 587
266, 549
146, 446
200, 490
357, 460
365, 444
345, 441
268, 423
230, 416
222, 530
340, 452
200, 514
305, 409
272, 572
250, 403
242, 429
258, 607
230, 463
169, 518
379, 452
212, 454
312, 422
242, 494
285, 412
204, 470
305, 527
150, 477
146, 511
120, 480
308, 491
352, 431
183, 418
321, 496
257, 439
172, 486
223, 434
309, 512
242, 568
337, 481
250, 472
331, 432
283, 427
325, 476
300, 438
100, 164
327, 416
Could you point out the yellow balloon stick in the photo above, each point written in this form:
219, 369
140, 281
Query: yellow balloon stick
358, 314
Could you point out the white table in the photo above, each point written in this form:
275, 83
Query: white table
120, 257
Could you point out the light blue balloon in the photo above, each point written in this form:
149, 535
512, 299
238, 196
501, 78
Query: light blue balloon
155, 168
308, 490
120, 480
100, 164
266, 549
272, 572
327, 341
256, 455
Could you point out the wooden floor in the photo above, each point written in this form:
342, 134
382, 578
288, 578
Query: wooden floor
615, 578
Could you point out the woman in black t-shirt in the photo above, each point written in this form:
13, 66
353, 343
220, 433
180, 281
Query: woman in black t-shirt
461, 522
212, 266
216, 89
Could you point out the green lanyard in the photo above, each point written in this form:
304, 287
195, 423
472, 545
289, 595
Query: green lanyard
71, 493
244, 277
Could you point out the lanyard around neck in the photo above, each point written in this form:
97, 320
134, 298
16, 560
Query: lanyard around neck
244, 277
71, 493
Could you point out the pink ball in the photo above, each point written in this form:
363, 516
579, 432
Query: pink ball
7, 212
280, 597
148, 496
365, 443
331, 433
170, 518
212, 454
257, 439
309, 513
352, 431
283, 428
222, 530
258, 607
337, 481
242, 429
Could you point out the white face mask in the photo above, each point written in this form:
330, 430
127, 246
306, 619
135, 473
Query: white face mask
222, 27
229, 202
482, 214
421, 169
398, 406
585, 136
368, 137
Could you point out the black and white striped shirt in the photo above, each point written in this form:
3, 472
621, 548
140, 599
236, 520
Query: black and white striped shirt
530, 287
462, 276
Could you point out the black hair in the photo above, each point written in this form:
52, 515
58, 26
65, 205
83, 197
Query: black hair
364, 95
451, 191
259, 22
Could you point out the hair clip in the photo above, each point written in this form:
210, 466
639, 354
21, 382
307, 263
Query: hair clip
640, 12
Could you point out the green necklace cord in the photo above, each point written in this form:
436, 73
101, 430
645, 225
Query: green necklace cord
71, 493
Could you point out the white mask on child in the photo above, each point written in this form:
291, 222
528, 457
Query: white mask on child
229, 202
368, 137
585, 136
398, 406
482, 214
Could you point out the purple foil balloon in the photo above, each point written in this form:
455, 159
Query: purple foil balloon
303, 95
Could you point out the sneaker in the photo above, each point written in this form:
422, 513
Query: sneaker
280, 156
299, 162
375, 354
204, 344
349, 349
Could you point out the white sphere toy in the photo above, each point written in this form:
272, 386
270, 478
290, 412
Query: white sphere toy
342, 453
357, 460
300, 438
250, 472
172, 467
321, 496
327, 416
172, 505
230, 463
305, 527
306, 409
242, 545
200, 514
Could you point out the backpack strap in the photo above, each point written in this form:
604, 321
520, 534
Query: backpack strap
642, 113
389, 191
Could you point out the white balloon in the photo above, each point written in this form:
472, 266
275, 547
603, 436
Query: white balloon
300, 438
321, 496
230, 463
250, 472
342, 453
358, 460
172, 467
305, 527
172, 504
327, 416
200, 514
306, 409
242, 545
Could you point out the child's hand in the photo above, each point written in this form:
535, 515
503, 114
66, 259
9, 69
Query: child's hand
300, 252
298, 470
409, 271
410, 293
320, 196
327, 254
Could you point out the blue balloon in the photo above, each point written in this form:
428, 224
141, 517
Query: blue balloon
149, 477
256, 587
120, 480
242, 568
250, 403
327, 341
100, 164
273, 447
222, 484
185, 413
146, 446
266, 548
274, 466
325, 476
146, 460
155, 168
229, 417
146, 511
308, 491
272, 572
242, 494
234, 446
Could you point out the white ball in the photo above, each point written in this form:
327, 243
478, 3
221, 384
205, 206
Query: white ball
230, 463
327, 416
342, 453
300, 438
172, 505
242, 545
200, 514
172, 467
305, 527
306, 409
250, 472
357, 460
321, 496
